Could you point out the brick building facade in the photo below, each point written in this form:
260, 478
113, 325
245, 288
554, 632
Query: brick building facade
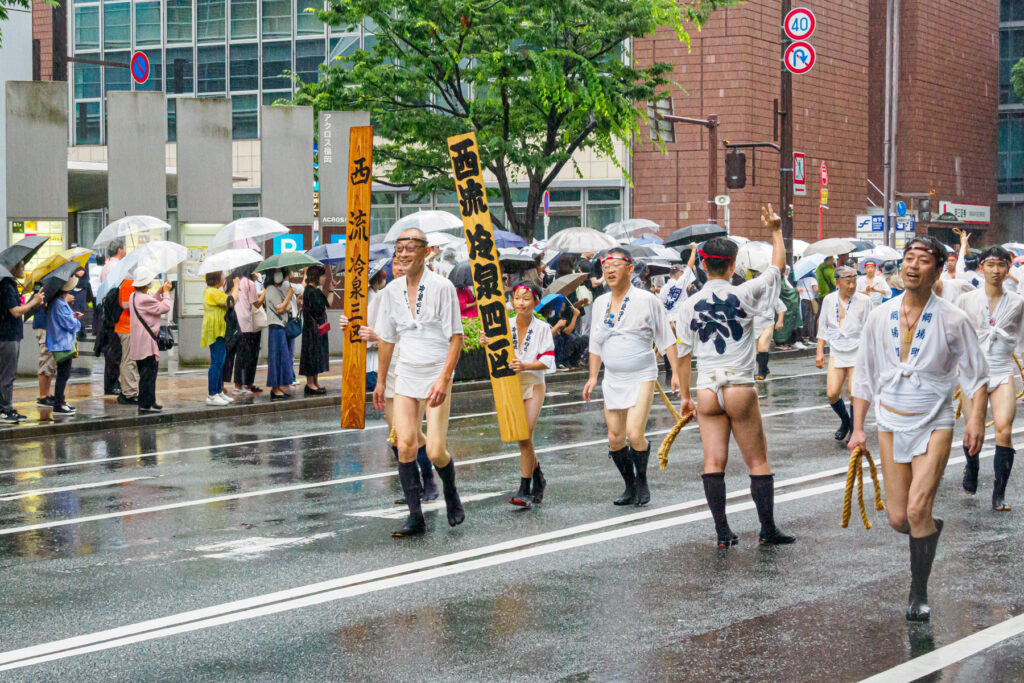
946, 142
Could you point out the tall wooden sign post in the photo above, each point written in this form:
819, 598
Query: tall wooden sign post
357, 256
487, 284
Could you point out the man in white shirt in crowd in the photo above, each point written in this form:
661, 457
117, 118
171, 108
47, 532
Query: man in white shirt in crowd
872, 285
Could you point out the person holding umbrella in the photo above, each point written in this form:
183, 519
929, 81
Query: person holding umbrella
314, 357
62, 326
145, 311
215, 308
11, 333
280, 368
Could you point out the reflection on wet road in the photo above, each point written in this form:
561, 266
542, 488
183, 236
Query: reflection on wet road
260, 548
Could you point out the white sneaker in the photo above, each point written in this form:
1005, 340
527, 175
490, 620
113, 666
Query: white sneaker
214, 401
227, 399
800, 346
242, 392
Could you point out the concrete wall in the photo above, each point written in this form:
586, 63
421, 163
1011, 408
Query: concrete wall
334, 130
286, 164
137, 135
37, 179
204, 160
15, 65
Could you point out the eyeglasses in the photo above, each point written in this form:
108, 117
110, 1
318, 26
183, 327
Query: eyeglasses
410, 248
615, 263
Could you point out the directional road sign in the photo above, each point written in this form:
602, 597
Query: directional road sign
140, 67
799, 23
799, 57
824, 175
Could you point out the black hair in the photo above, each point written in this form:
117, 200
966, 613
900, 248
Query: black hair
997, 252
930, 244
619, 251
719, 255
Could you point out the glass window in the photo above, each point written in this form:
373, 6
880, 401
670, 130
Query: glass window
368, 42
243, 19
309, 55
117, 77
180, 74
382, 199
1011, 10
172, 121
179, 21
117, 25
246, 206
245, 67
210, 20
1011, 152
87, 80
155, 81
343, 47
244, 113
269, 98
1011, 50
210, 69
277, 19
600, 215
87, 123
381, 219
564, 195
306, 23
87, 28
277, 58
604, 195
147, 24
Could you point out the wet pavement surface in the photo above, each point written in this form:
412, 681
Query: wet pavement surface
258, 548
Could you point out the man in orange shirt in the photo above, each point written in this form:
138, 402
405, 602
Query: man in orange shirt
129, 372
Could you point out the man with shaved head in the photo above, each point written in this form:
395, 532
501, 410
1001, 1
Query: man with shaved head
420, 313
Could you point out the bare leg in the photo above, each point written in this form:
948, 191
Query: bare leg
927, 472
714, 435
896, 478
744, 413
527, 455
637, 416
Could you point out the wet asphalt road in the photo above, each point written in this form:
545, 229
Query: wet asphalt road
137, 546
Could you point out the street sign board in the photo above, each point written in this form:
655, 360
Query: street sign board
901, 209
824, 176
967, 213
799, 24
139, 67
547, 202
824, 196
799, 57
722, 200
799, 174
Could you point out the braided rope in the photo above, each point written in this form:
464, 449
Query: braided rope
856, 472
393, 437
681, 421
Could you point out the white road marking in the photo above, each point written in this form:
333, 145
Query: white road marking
247, 548
57, 489
400, 512
331, 482
936, 660
308, 435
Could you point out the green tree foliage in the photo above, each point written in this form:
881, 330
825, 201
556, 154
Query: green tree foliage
1017, 79
22, 4
536, 80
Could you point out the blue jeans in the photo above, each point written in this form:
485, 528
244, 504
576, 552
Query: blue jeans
214, 383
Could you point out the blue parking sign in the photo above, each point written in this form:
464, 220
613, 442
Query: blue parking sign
289, 242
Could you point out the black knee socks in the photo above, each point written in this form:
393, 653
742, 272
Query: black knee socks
839, 407
762, 363
714, 492
762, 490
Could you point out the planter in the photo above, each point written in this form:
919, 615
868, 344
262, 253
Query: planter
472, 365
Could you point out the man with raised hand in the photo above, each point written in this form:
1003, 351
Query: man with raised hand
716, 328
420, 312
914, 350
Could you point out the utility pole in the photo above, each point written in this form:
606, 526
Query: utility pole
711, 123
786, 143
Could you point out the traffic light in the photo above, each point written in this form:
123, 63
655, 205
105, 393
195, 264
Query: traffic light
735, 170
924, 211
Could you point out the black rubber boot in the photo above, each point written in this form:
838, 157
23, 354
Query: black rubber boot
394, 451
521, 497
625, 464
970, 482
762, 490
922, 553
839, 407
639, 460
1002, 464
409, 475
714, 492
427, 474
762, 364
539, 484
456, 515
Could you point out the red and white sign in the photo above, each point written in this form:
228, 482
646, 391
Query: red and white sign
139, 66
799, 174
967, 213
824, 176
799, 24
799, 57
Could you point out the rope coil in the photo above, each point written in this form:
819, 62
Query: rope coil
856, 471
681, 421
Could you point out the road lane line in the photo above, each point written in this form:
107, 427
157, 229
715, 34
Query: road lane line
401, 511
957, 651
58, 489
330, 432
331, 482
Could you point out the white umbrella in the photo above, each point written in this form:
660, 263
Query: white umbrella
580, 240
666, 253
833, 246
738, 240
256, 228
228, 259
130, 227
880, 252
754, 256
1014, 246
799, 246
443, 239
631, 228
160, 257
427, 221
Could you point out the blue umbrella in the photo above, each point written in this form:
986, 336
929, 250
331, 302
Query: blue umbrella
647, 239
328, 253
556, 301
504, 238
807, 265
378, 251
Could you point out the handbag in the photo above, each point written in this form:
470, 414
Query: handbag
61, 356
259, 319
292, 328
324, 328
164, 338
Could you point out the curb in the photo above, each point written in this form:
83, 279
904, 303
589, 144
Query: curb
262, 408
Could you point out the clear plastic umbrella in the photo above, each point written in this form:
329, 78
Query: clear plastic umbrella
880, 252
580, 240
160, 257
427, 221
754, 256
833, 246
631, 228
131, 229
442, 239
799, 246
228, 259
255, 228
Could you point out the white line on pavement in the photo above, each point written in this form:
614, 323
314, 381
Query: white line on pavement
400, 512
330, 432
331, 482
59, 489
957, 651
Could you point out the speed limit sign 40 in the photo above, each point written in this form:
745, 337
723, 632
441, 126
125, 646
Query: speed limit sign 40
799, 24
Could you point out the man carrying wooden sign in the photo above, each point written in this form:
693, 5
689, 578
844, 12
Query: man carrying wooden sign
420, 313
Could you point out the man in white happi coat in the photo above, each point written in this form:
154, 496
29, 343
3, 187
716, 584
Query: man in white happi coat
914, 350
843, 314
716, 328
998, 318
872, 285
673, 293
951, 289
420, 313
628, 324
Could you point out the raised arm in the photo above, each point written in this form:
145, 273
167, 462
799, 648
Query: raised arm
771, 220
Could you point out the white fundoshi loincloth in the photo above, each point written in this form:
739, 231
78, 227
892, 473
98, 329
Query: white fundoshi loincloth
415, 381
527, 382
629, 362
716, 380
998, 348
929, 411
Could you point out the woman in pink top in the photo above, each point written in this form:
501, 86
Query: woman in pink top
142, 347
249, 345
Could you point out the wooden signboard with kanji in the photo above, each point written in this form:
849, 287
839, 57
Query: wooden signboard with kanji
357, 256
487, 284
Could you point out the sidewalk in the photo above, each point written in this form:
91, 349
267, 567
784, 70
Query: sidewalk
183, 396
